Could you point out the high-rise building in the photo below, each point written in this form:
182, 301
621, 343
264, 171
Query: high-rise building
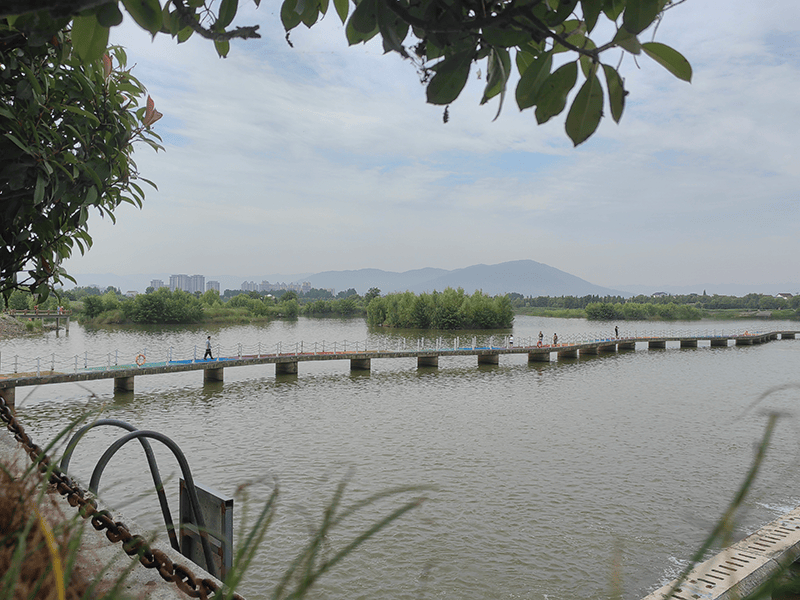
197, 283
212, 285
157, 284
179, 282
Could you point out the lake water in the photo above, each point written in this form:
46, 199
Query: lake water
574, 479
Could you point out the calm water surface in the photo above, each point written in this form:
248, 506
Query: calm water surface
564, 480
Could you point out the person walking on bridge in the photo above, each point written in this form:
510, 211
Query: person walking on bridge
208, 349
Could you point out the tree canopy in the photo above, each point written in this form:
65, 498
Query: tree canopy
550, 42
68, 128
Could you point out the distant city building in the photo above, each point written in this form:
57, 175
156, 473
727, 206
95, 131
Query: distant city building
212, 285
784, 295
266, 286
131, 293
659, 295
178, 282
157, 284
197, 283
191, 284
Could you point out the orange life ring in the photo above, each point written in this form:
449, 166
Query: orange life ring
140, 359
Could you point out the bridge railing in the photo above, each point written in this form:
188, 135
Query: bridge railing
117, 359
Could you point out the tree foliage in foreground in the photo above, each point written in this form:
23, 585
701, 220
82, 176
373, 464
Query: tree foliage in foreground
554, 46
66, 134
451, 309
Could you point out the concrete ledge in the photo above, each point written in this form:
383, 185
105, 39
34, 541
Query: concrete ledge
743, 567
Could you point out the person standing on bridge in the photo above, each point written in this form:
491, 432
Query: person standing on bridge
208, 349
511, 341
541, 339
555, 339
616, 331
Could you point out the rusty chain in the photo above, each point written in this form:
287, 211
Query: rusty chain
116, 531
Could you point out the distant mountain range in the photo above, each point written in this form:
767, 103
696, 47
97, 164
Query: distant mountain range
527, 277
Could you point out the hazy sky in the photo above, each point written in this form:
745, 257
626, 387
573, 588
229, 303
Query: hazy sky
323, 157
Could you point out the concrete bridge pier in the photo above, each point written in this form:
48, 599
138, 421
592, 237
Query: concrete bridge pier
214, 374
744, 341
607, 348
286, 368
787, 336
360, 364
688, 343
427, 361
721, 343
631, 345
592, 351
656, 344
568, 354
538, 357
9, 395
488, 359
123, 384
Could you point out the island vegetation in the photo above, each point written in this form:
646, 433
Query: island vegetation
450, 309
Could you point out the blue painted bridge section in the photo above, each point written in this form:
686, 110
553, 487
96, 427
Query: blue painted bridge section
41, 371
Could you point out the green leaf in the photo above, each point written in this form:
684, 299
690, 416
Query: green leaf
639, 14
365, 17
310, 13
586, 111
355, 37
38, 192
109, 15
532, 79
613, 9
563, 10
342, 9
289, 15
627, 41
79, 111
147, 13
451, 77
89, 38
227, 11
184, 34
672, 60
616, 92
591, 11
504, 37
552, 96
498, 72
392, 29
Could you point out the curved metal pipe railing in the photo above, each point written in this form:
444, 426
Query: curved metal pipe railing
151, 461
185, 470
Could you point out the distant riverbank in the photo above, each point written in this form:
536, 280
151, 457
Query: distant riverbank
704, 314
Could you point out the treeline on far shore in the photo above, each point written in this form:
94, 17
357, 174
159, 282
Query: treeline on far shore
665, 307
451, 309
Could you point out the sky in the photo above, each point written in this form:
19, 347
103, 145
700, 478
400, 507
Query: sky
326, 157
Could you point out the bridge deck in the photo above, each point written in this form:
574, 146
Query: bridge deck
113, 371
